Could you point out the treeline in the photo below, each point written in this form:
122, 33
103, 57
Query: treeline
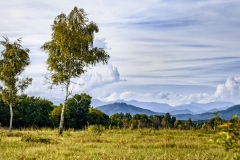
30, 111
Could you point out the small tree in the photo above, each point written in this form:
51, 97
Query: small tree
13, 61
229, 137
71, 51
188, 124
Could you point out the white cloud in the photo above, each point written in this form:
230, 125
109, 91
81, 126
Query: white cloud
197, 97
174, 39
112, 97
96, 80
161, 95
229, 91
128, 95
100, 43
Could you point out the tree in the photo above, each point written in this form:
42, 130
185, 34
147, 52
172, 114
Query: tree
71, 51
55, 115
116, 120
97, 117
141, 119
75, 113
172, 121
188, 123
215, 121
4, 113
32, 111
166, 121
156, 121
178, 124
13, 61
229, 137
77, 108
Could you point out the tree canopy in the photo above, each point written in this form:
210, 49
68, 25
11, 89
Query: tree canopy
71, 51
14, 60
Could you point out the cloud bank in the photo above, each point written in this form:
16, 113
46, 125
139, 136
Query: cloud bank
229, 91
95, 80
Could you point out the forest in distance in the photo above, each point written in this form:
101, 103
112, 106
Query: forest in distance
30, 111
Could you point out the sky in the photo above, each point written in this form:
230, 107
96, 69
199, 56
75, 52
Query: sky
166, 51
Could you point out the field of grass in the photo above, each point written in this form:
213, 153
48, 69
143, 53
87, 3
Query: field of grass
111, 144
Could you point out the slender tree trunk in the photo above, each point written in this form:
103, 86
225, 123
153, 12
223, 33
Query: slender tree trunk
11, 117
62, 114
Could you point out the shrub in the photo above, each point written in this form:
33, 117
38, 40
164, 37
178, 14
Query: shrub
37, 139
95, 129
229, 137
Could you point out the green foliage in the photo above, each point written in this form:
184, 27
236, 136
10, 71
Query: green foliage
4, 113
76, 113
188, 124
71, 51
33, 112
167, 121
71, 47
215, 122
95, 130
29, 111
97, 117
178, 124
13, 61
37, 139
77, 109
229, 137
55, 115
116, 120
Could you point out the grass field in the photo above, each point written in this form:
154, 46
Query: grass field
111, 144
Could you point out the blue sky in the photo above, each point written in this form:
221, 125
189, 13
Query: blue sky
164, 51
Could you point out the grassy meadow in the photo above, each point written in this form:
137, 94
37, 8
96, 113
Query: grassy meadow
111, 144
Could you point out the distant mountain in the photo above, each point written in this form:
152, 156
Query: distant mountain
224, 114
192, 108
212, 105
111, 109
199, 108
122, 107
185, 111
154, 106
218, 109
96, 103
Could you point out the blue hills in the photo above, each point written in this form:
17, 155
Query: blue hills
195, 111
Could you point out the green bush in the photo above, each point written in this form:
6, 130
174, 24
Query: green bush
37, 139
95, 129
229, 138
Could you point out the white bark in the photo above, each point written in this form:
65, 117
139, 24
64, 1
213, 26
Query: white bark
63, 111
11, 117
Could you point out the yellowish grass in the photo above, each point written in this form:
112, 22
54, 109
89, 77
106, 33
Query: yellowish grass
111, 144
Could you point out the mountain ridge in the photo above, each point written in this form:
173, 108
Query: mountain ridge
193, 108
122, 107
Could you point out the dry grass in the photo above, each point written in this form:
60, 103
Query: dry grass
111, 144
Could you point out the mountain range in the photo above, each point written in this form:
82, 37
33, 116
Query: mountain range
122, 107
191, 108
195, 111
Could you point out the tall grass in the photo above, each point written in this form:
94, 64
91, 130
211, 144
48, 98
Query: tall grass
110, 144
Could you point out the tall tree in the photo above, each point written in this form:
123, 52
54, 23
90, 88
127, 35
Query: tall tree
71, 51
14, 59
